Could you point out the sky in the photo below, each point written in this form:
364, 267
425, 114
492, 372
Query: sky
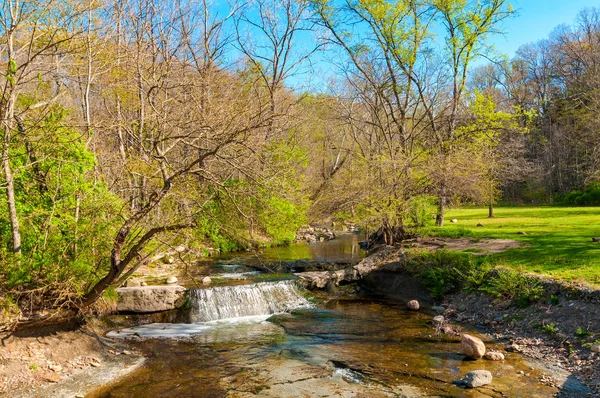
535, 20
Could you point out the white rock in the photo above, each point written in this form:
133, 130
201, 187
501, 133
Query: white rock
477, 378
454, 221
172, 279
413, 305
472, 347
206, 280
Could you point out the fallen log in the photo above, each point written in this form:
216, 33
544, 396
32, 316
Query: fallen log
383, 258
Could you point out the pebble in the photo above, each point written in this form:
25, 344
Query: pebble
413, 305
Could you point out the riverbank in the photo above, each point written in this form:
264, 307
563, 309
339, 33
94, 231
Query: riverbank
560, 328
62, 362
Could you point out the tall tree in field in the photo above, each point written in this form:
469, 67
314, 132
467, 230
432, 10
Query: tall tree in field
466, 24
387, 76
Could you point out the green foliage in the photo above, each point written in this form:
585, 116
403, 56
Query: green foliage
514, 286
240, 214
66, 216
420, 210
590, 196
581, 332
445, 272
549, 328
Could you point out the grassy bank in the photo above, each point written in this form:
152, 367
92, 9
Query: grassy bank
558, 239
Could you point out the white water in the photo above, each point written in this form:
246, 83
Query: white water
244, 300
238, 275
226, 313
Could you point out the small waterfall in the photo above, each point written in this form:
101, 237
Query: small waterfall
244, 300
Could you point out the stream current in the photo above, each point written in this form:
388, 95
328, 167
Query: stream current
263, 338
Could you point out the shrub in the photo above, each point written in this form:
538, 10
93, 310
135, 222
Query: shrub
590, 196
420, 209
514, 286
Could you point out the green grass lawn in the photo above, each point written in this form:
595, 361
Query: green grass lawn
559, 238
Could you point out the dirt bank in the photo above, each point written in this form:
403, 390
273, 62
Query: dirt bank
55, 362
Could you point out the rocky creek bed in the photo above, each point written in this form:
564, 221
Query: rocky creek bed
357, 340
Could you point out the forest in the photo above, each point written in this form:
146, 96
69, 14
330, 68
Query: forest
134, 126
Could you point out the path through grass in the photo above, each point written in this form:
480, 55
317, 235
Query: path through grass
559, 238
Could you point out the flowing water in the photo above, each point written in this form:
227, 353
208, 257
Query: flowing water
265, 339
246, 300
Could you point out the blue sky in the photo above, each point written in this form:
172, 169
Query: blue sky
535, 20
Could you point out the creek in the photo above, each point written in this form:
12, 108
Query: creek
255, 334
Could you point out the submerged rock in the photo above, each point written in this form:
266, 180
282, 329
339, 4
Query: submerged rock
413, 305
472, 347
150, 298
438, 308
494, 356
474, 379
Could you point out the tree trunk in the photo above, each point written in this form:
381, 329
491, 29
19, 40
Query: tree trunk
9, 116
491, 210
439, 218
12, 203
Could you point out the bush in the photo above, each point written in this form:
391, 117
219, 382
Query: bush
420, 209
520, 289
590, 196
444, 272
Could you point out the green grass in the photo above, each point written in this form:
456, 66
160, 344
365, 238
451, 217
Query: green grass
559, 239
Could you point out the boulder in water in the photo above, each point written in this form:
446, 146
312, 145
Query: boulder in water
494, 356
150, 298
476, 378
413, 305
206, 280
472, 347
